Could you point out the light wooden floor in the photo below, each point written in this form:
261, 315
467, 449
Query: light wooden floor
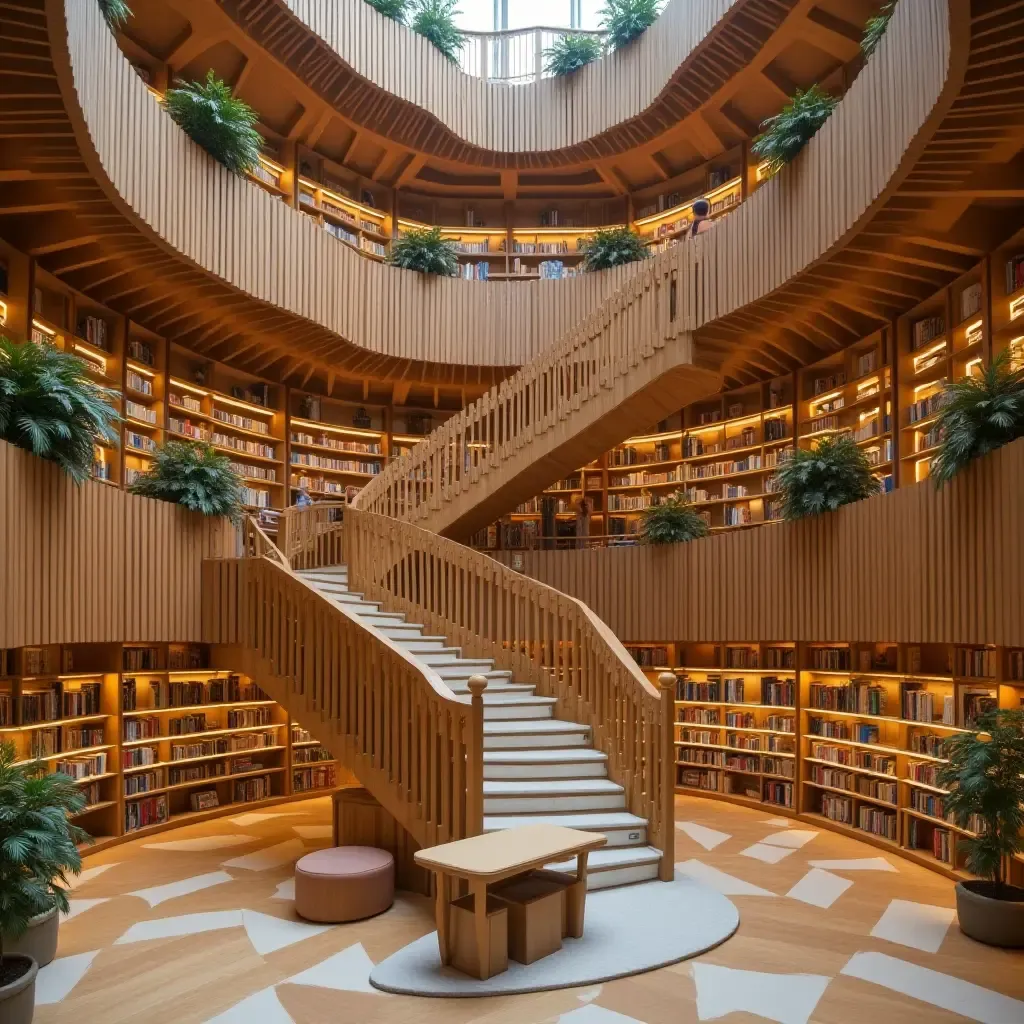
196, 977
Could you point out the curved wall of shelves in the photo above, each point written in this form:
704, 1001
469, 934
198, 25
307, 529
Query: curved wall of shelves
693, 48
393, 322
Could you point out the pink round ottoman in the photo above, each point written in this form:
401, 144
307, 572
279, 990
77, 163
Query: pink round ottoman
344, 883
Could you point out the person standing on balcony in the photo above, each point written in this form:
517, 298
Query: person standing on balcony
583, 513
303, 500
701, 218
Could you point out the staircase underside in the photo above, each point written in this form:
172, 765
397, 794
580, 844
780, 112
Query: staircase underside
659, 386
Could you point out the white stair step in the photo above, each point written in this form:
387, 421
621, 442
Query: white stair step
395, 619
496, 689
353, 602
544, 732
461, 670
438, 660
419, 646
516, 796
330, 588
622, 865
569, 763
498, 707
331, 575
620, 827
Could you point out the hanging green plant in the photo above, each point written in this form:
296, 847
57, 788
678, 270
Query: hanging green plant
115, 13
978, 415
569, 53
674, 521
424, 249
611, 247
194, 475
214, 119
394, 9
51, 407
875, 28
821, 479
435, 20
625, 20
786, 134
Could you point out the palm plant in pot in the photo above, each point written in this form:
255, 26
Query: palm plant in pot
674, 521
194, 475
611, 247
786, 134
979, 414
985, 779
821, 479
424, 249
569, 53
50, 406
38, 849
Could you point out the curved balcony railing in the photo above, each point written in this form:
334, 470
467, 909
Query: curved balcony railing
513, 56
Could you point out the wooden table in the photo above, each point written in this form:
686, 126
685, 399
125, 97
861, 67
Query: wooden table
495, 856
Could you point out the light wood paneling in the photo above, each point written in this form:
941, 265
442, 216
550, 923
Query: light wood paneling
624, 354
388, 718
402, 81
237, 232
93, 564
917, 565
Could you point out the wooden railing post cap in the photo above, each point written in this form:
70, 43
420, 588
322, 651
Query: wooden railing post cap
667, 680
477, 685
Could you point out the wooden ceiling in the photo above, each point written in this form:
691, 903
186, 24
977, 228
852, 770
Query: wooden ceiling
760, 53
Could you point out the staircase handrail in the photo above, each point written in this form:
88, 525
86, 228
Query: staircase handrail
541, 635
390, 719
609, 344
310, 535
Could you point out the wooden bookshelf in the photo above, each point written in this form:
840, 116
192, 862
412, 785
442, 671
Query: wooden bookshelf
661, 229
846, 736
335, 447
851, 393
154, 735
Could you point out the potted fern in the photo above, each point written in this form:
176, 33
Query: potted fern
39, 849
424, 249
786, 134
979, 414
435, 20
194, 475
569, 53
612, 247
394, 9
985, 779
875, 28
674, 521
626, 20
51, 407
821, 479
115, 13
213, 118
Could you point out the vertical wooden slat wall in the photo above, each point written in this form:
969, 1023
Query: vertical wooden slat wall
239, 233
547, 115
93, 564
918, 565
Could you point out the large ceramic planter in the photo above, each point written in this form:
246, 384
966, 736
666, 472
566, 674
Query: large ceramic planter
18, 996
39, 940
996, 922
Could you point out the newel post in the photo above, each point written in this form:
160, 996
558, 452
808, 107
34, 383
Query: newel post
475, 759
667, 757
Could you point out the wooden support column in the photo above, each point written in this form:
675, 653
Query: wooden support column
475, 759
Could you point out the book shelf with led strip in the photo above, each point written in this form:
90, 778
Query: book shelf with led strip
843, 735
153, 735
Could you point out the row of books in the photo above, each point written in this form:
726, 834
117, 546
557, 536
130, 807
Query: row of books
83, 767
57, 703
861, 697
324, 440
45, 742
974, 661
319, 777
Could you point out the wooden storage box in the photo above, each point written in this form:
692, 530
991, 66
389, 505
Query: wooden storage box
465, 955
536, 915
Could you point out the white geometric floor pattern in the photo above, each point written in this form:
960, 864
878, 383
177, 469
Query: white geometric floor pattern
784, 998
